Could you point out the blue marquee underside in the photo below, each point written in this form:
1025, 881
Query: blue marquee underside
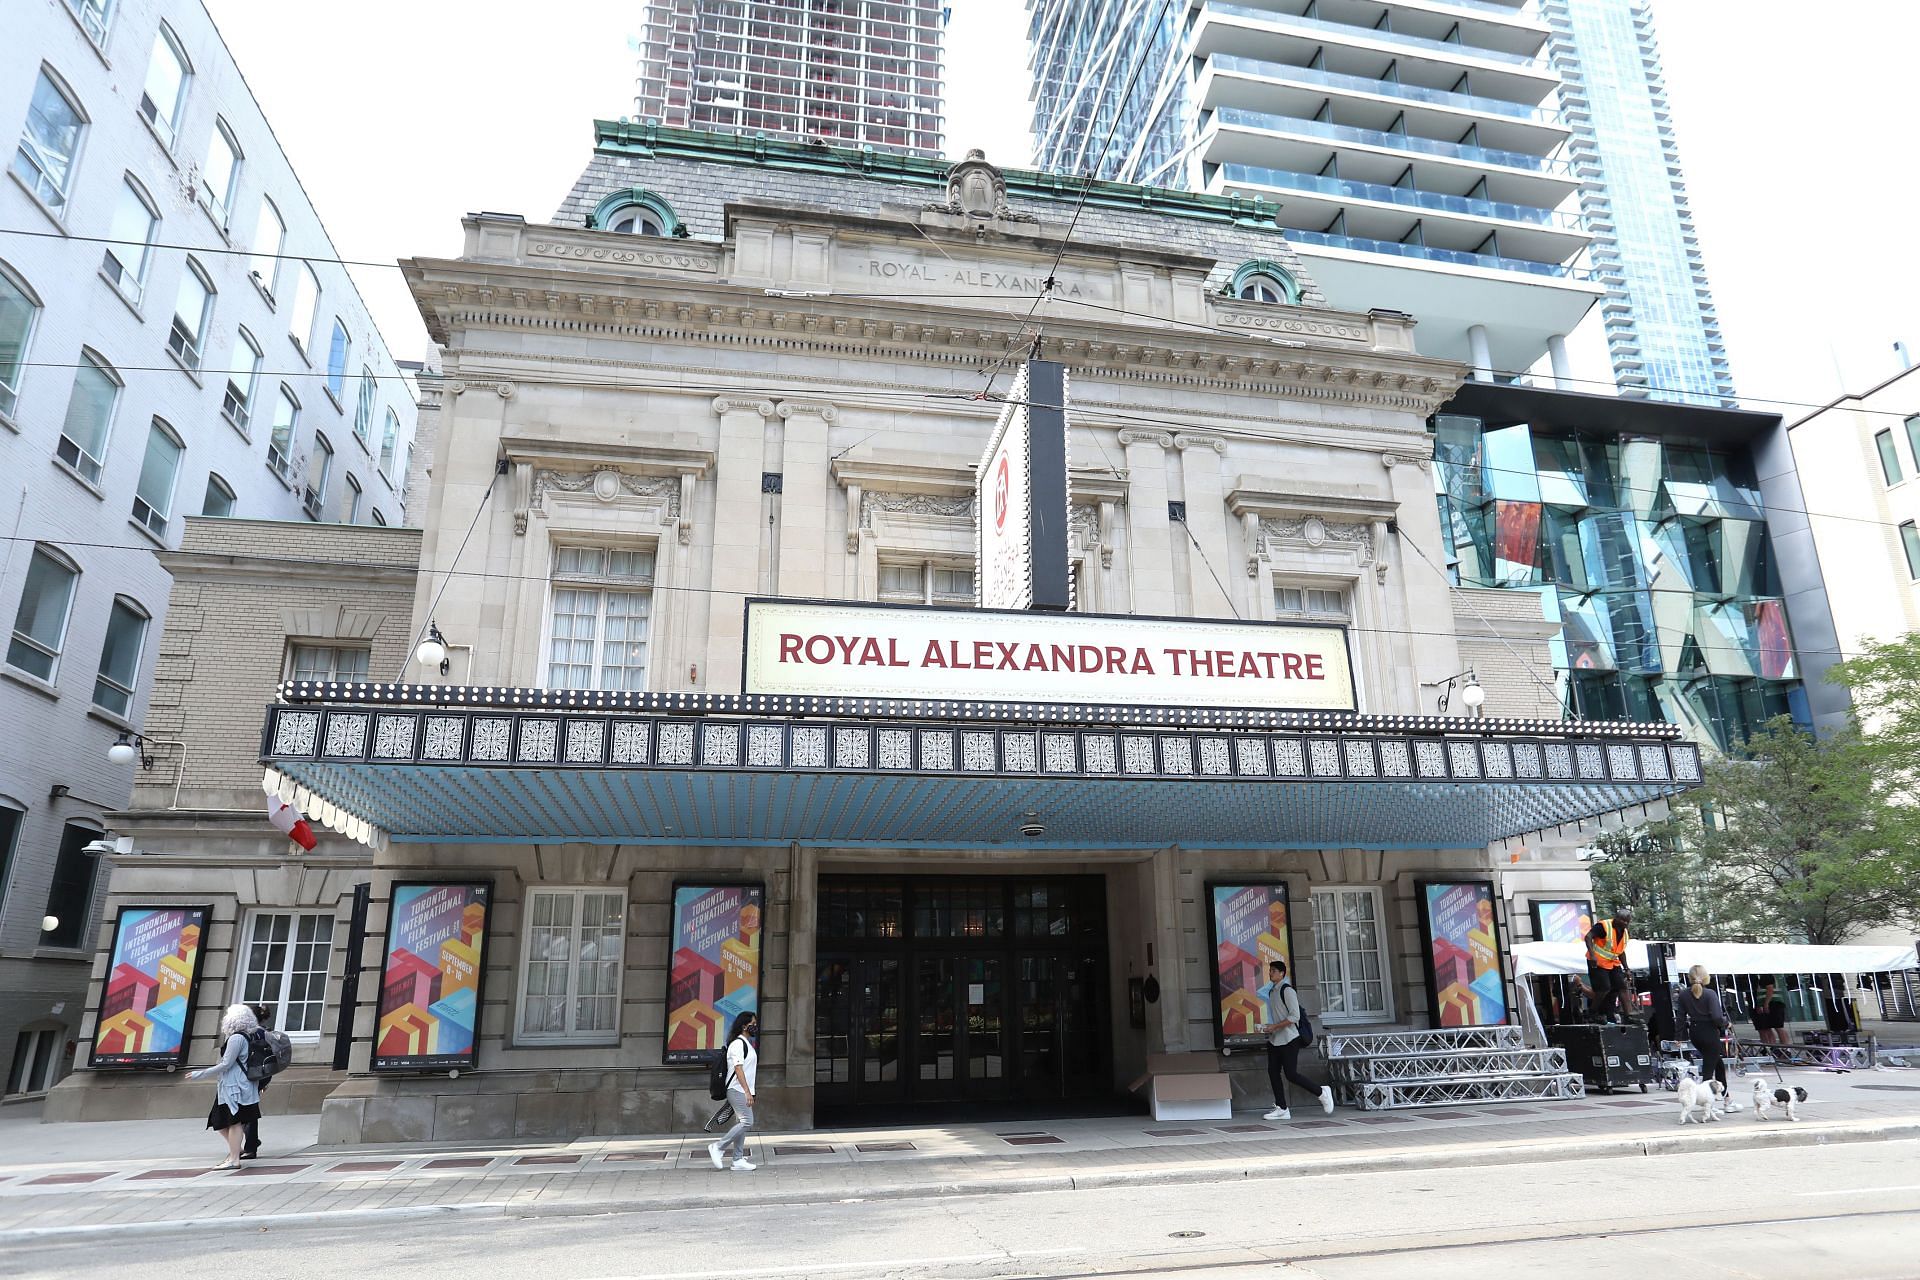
416, 803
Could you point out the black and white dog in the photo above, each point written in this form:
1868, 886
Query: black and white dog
1765, 1099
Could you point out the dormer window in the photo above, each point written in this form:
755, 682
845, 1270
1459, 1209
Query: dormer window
1267, 282
635, 220
634, 212
1261, 288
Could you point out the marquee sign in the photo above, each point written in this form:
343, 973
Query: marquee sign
1022, 496
888, 651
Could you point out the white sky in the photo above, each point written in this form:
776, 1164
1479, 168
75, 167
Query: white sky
403, 115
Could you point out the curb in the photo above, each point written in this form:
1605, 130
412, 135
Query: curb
1269, 1167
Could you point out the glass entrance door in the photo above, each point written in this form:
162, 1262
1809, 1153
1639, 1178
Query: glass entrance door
957, 991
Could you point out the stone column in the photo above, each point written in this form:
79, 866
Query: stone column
1149, 533
1209, 568
806, 488
739, 456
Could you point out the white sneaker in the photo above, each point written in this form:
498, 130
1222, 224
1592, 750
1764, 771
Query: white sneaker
1734, 1104
713, 1154
1278, 1113
743, 1165
1326, 1099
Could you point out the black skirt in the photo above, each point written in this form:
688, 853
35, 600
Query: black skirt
220, 1118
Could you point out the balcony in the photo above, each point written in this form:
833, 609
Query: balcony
1462, 152
1467, 103
1444, 51
1428, 253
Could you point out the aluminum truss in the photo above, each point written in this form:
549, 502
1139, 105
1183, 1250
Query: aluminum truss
1831, 1057
1448, 1065
1454, 1093
1435, 1040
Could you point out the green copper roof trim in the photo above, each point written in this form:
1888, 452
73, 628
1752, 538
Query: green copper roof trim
629, 197
636, 138
1262, 267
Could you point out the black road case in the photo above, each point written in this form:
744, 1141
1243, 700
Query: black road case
1610, 1057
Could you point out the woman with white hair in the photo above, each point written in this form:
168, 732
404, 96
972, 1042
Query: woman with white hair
236, 1099
1707, 1023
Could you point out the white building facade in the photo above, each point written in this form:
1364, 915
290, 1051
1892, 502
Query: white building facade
177, 337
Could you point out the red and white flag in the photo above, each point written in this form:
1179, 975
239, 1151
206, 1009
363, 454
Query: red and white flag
287, 819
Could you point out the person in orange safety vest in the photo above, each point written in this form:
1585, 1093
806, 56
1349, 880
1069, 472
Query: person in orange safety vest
1607, 965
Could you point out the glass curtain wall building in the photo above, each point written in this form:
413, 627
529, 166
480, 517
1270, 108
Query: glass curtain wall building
1663, 335
1411, 151
1646, 539
854, 72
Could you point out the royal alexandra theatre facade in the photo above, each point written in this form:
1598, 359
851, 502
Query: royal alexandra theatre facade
982, 722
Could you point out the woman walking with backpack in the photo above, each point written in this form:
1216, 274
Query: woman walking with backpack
1284, 1042
743, 1067
236, 1099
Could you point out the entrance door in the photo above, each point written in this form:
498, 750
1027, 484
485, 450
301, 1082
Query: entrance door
950, 991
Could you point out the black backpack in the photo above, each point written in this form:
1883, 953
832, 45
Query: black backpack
717, 1077
269, 1053
1305, 1024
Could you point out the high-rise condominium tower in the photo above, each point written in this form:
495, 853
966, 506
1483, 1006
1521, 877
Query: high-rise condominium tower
1663, 336
850, 72
1411, 151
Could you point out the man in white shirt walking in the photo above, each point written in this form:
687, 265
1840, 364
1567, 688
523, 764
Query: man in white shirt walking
1284, 1043
743, 1069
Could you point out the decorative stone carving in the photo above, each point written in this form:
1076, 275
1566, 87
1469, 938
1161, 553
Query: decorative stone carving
1162, 438
915, 504
825, 412
522, 479
977, 189
504, 390
608, 484
1392, 460
1315, 531
724, 405
1186, 440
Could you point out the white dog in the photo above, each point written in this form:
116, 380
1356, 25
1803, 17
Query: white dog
1701, 1100
1765, 1099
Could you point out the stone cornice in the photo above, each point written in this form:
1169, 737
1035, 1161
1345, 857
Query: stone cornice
903, 477
1304, 500
206, 566
643, 458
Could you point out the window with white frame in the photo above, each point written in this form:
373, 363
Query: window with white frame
243, 369
50, 143
319, 474
130, 240
269, 235
219, 500
1318, 604
221, 175
120, 658
18, 311
354, 498
570, 979
306, 300
337, 348
345, 663
364, 405
597, 624
287, 959
166, 89
83, 435
153, 496
190, 312
46, 603
1349, 945
389, 441
94, 16
286, 416
925, 582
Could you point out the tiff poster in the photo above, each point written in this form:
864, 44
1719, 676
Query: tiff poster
1247, 925
713, 974
147, 998
430, 975
1464, 979
1568, 920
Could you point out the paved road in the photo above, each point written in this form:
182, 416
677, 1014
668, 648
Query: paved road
1817, 1212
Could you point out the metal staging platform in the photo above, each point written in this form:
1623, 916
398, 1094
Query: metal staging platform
1830, 1057
1446, 1066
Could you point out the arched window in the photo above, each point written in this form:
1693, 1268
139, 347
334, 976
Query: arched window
1264, 282
635, 212
19, 307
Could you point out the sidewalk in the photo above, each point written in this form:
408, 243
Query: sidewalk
63, 1180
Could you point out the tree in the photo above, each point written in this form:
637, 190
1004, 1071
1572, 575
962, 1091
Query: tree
1885, 683
1801, 839
1653, 870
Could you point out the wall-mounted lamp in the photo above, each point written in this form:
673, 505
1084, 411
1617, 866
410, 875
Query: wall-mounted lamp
1472, 696
129, 747
432, 651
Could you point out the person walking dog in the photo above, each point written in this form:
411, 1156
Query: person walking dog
1284, 1043
236, 1099
743, 1067
1707, 1024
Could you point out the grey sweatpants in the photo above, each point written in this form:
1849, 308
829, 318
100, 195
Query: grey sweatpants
734, 1141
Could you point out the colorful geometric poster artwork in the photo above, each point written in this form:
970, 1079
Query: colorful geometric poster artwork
1468, 987
713, 972
147, 997
1567, 921
430, 977
1249, 930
